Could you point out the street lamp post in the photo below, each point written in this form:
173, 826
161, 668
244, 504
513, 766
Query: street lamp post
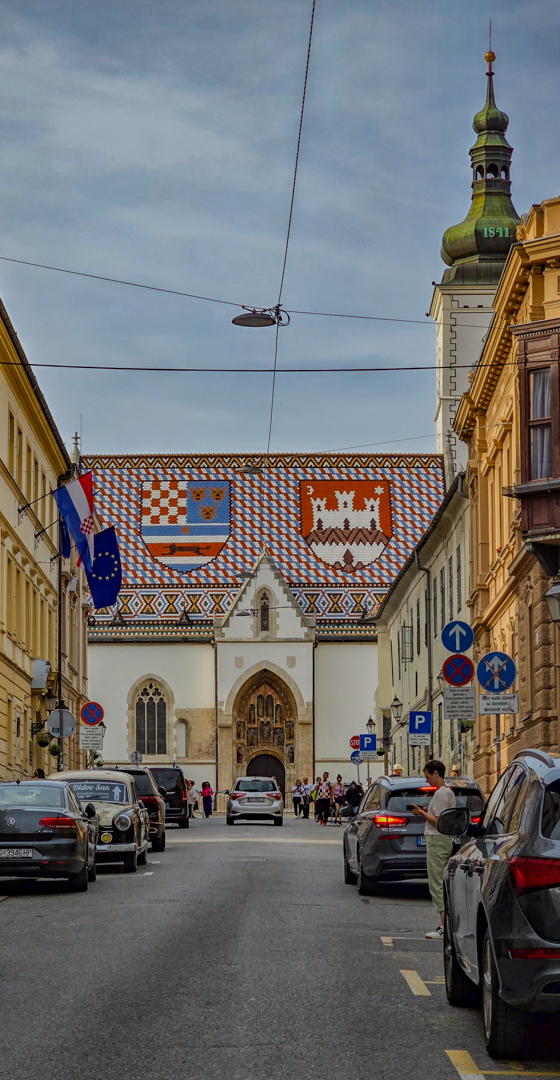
396, 710
370, 730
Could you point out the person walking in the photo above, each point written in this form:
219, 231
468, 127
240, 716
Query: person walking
207, 796
314, 791
339, 798
298, 794
397, 769
306, 797
324, 798
438, 847
354, 796
192, 797
39, 774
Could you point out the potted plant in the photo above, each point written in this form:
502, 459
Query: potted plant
54, 750
43, 739
466, 725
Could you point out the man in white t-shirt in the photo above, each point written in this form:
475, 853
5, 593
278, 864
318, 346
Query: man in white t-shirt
438, 847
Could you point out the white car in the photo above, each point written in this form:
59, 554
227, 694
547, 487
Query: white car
257, 797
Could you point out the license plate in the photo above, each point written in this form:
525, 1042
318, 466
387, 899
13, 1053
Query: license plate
16, 853
254, 800
421, 841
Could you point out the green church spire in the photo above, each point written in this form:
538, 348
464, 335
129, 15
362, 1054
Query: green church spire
476, 249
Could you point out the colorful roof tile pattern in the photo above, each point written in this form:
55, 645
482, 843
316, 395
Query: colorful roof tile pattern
370, 510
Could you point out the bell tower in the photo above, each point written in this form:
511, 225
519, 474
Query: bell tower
475, 252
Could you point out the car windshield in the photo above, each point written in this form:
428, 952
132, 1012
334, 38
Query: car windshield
255, 785
421, 796
29, 795
143, 783
168, 778
109, 791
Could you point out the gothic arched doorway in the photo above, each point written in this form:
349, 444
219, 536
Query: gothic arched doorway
268, 765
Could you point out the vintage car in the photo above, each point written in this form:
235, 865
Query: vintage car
124, 824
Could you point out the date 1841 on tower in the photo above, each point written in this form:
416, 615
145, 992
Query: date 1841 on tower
490, 230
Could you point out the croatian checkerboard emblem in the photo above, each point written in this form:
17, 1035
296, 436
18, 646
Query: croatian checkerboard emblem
347, 523
185, 523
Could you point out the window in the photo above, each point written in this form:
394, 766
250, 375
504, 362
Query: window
265, 613
440, 727
540, 424
450, 587
505, 801
434, 606
407, 644
373, 798
392, 668
399, 652
19, 456
418, 641
151, 721
426, 616
11, 441
458, 588
35, 481
28, 473
442, 595
416, 686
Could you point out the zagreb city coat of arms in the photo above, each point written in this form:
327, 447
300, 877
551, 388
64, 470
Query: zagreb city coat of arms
185, 523
347, 523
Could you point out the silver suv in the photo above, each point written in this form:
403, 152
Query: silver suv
257, 797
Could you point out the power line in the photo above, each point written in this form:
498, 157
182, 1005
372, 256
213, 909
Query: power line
259, 370
382, 442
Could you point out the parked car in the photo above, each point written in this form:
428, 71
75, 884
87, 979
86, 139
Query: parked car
152, 798
384, 841
502, 893
45, 832
257, 797
170, 779
124, 826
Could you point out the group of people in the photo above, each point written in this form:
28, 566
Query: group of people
206, 794
326, 798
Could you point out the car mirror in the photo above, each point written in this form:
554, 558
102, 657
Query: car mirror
162, 791
454, 822
226, 792
90, 810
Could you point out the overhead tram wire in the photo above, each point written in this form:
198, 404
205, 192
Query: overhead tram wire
289, 229
261, 370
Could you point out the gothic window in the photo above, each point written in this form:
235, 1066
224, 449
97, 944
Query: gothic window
270, 706
151, 721
265, 613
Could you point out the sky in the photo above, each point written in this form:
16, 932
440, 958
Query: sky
156, 142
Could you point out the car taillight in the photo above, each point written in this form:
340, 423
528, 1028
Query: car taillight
235, 794
475, 820
274, 795
59, 822
534, 954
184, 794
382, 820
530, 873
429, 788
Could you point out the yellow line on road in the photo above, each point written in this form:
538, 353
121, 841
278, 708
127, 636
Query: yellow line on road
248, 840
468, 1069
388, 941
417, 985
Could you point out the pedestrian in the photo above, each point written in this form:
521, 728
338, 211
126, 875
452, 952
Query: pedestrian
354, 796
306, 797
339, 798
438, 847
314, 791
39, 774
324, 799
454, 771
397, 769
207, 796
192, 797
298, 794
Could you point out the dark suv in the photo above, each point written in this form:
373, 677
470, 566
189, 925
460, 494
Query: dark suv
384, 841
150, 795
170, 778
502, 892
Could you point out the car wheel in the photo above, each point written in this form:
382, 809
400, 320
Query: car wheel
78, 882
367, 886
460, 990
229, 820
130, 862
278, 820
92, 872
158, 843
349, 875
184, 824
506, 1030
143, 856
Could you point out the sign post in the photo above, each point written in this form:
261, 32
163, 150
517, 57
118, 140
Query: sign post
356, 759
496, 674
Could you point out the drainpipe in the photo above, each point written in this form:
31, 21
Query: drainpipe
428, 574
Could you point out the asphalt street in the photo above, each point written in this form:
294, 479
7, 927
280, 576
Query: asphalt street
236, 953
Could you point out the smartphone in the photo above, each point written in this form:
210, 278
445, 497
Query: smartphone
411, 806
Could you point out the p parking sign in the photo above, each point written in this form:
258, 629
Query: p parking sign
420, 728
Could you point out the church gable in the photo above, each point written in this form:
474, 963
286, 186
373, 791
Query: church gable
265, 609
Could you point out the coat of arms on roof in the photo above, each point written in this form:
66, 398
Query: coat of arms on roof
347, 523
185, 523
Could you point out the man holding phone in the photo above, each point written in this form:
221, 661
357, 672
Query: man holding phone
438, 847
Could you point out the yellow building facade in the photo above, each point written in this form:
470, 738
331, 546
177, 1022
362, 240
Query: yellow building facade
33, 459
509, 466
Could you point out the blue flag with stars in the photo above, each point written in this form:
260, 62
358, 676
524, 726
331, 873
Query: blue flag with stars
105, 577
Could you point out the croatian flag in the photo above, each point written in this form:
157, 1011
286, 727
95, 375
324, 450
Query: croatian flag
75, 502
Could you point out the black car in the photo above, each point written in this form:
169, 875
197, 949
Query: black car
45, 832
502, 893
384, 841
171, 779
152, 798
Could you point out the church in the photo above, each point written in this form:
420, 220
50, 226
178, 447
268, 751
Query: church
243, 638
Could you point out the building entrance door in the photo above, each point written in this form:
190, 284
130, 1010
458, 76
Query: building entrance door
268, 765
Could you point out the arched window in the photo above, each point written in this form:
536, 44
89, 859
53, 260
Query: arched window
492, 172
265, 612
479, 175
151, 721
505, 174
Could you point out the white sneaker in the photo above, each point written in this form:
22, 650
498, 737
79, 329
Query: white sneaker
435, 935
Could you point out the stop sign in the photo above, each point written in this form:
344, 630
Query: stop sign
355, 742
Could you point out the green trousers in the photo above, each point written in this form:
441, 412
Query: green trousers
438, 850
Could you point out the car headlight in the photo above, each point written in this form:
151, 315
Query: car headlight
122, 822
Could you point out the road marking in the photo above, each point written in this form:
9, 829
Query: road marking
248, 840
388, 941
417, 985
468, 1070
155, 862
148, 873
440, 981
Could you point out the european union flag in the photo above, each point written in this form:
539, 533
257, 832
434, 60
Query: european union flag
105, 578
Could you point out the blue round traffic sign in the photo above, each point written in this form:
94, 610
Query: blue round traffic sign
496, 672
457, 636
457, 670
92, 713
356, 757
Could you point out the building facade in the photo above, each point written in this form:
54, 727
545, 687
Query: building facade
431, 590
243, 638
509, 421
33, 459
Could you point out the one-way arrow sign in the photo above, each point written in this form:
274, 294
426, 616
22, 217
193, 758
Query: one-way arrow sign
496, 672
457, 636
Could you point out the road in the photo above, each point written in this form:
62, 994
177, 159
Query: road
236, 953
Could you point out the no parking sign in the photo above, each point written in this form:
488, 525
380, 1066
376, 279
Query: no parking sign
92, 713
